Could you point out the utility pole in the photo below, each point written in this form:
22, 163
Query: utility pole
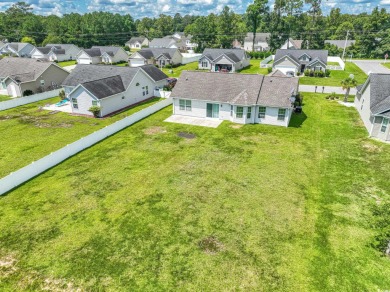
345, 45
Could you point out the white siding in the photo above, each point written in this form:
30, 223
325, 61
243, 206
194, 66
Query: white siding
363, 107
201, 67
120, 56
84, 101
35, 54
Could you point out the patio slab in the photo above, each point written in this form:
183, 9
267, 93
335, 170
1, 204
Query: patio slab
52, 107
193, 121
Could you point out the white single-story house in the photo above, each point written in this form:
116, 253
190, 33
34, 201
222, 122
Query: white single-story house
17, 49
239, 98
261, 42
373, 104
291, 62
137, 42
112, 88
156, 56
20, 74
96, 55
56, 52
223, 60
292, 44
166, 43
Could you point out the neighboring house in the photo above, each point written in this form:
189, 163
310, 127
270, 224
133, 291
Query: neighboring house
137, 42
176, 41
18, 49
96, 55
112, 88
20, 74
292, 44
373, 104
223, 60
236, 44
291, 62
261, 42
156, 56
341, 43
41, 53
240, 98
63, 52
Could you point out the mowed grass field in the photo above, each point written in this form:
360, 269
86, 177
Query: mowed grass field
4, 98
387, 65
28, 133
336, 77
256, 208
254, 68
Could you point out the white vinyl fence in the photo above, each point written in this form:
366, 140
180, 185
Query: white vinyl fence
35, 168
264, 63
189, 58
162, 93
18, 101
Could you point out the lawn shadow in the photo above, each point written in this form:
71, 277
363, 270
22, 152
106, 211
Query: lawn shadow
297, 120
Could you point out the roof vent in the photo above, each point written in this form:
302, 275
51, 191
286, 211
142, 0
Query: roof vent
186, 78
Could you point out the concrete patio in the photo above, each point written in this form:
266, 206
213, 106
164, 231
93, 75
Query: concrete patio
193, 121
52, 107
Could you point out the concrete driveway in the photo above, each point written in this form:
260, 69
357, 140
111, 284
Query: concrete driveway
70, 68
371, 66
204, 122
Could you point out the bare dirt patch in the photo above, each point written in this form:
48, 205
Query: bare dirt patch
210, 245
7, 266
372, 148
236, 126
154, 130
186, 135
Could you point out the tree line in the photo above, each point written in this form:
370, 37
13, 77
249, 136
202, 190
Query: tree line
287, 19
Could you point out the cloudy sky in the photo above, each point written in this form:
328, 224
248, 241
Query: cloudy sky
150, 8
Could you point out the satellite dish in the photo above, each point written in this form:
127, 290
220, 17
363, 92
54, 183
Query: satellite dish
351, 76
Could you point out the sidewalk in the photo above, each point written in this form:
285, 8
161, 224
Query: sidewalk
327, 89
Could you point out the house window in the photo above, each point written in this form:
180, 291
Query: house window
231, 110
74, 102
147, 89
94, 103
143, 91
262, 111
42, 82
204, 64
249, 113
239, 112
185, 105
281, 114
385, 122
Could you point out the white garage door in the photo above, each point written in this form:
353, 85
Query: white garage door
84, 61
137, 62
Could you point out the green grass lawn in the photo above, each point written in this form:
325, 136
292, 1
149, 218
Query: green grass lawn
4, 98
255, 208
28, 134
67, 63
387, 65
122, 64
336, 76
177, 71
254, 68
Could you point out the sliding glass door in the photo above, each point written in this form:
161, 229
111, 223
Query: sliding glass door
213, 110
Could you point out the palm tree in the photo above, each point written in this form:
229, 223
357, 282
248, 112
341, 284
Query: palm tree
347, 84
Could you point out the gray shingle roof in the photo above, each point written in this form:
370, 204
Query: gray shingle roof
93, 52
154, 73
106, 49
105, 87
296, 43
133, 40
102, 76
155, 52
379, 93
213, 54
44, 50
277, 73
27, 69
239, 89
322, 55
17, 46
340, 43
259, 37
162, 42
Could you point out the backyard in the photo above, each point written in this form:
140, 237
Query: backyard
254, 207
336, 76
67, 63
176, 72
254, 68
4, 97
28, 133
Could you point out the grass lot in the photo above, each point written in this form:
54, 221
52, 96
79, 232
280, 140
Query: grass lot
28, 134
256, 208
336, 76
254, 68
67, 63
387, 65
122, 64
177, 71
4, 97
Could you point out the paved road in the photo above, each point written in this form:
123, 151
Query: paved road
327, 89
371, 66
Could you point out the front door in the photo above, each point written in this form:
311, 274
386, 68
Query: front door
213, 110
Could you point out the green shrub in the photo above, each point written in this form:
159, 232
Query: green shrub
269, 69
62, 94
95, 110
327, 72
28, 92
307, 72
